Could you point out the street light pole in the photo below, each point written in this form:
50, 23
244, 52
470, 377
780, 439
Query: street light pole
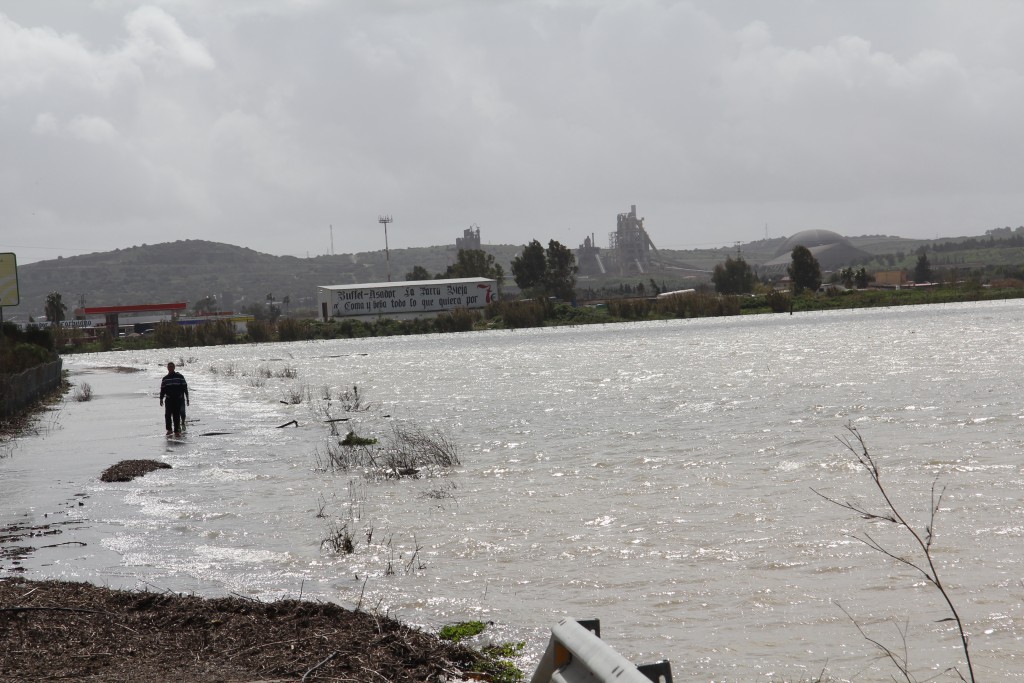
384, 220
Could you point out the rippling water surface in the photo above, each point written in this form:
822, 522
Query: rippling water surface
658, 476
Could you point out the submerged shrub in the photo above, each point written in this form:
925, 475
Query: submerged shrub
697, 305
406, 452
459, 320
461, 631
629, 309
83, 392
290, 329
105, 340
351, 439
495, 660
166, 334
259, 331
411, 447
214, 332
517, 314
352, 402
340, 539
778, 301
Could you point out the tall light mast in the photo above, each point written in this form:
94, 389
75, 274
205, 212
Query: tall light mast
384, 220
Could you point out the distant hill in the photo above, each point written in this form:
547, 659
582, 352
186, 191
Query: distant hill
762, 251
190, 270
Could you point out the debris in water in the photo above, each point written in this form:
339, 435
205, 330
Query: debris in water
126, 470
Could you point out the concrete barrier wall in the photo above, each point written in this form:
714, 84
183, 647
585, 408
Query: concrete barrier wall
19, 391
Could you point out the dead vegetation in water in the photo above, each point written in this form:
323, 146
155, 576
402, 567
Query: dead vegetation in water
341, 540
353, 533
327, 406
229, 370
126, 470
83, 392
352, 439
422, 447
19, 541
51, 630
351, 402
408, 451
379, 548
295, 395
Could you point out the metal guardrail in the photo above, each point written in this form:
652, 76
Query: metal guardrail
576, 654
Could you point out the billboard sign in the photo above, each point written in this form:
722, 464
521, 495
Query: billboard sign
405, 298
9, 280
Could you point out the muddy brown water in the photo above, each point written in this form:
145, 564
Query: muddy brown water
656, 476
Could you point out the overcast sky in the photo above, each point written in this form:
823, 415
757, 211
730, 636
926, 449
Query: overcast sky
262, 123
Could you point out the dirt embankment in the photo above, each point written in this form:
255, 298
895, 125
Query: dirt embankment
52, 630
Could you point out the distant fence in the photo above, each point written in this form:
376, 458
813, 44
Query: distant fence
21, 390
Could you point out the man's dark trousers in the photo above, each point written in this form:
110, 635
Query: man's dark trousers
173, 409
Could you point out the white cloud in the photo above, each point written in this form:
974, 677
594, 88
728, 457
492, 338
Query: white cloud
41, 61
91, 129
46, 124
259, 123
154, 37
33, 59
94, 129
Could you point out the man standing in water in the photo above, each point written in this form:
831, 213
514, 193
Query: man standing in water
174, 398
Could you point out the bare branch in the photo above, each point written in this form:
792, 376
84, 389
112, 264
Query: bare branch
863, 512
886, 653
854, 443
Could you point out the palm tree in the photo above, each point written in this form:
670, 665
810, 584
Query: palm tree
55, 308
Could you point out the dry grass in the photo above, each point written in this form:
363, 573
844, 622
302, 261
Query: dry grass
51, 630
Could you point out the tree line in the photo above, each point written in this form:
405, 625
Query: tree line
538, 272
551, 272
736, 276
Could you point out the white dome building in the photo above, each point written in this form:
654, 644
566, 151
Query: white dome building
831, 249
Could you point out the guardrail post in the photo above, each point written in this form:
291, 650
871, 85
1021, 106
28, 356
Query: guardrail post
576, 654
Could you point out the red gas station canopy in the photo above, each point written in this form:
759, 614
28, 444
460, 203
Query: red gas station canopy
137, 308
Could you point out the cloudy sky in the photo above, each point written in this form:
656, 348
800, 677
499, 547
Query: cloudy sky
262, 123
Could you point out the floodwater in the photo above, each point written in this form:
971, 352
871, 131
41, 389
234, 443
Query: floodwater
661, 477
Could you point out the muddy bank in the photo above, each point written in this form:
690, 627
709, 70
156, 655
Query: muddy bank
53, 630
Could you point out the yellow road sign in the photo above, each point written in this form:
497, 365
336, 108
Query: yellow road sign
9, 280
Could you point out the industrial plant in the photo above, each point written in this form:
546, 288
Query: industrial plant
630, 251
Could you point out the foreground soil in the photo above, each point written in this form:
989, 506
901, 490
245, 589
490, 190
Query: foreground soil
55, 630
